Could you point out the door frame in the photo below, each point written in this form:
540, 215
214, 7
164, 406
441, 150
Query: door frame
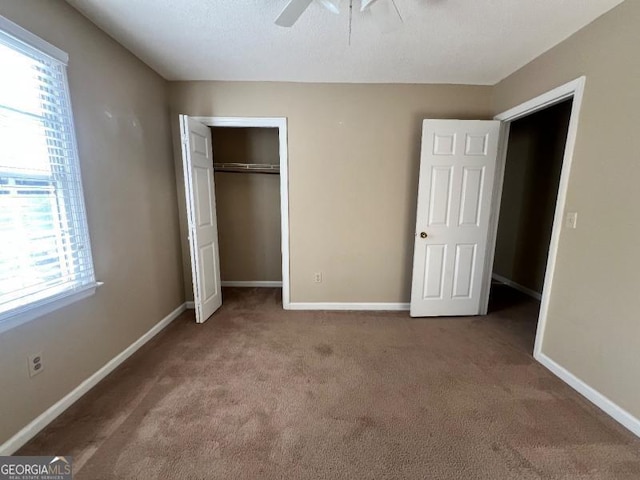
281, 124
575, 90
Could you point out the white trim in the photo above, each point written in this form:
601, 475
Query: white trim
573, 89
253, 283
552, 97
45, 418
242, 122
618, 413
37, 309
281, 124
388, 307
15, 33
516, 286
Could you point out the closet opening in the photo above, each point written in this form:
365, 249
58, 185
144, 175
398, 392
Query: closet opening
248, 197
246, 163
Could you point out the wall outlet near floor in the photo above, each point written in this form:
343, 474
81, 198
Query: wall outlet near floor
36, 364
572, 220
317, 277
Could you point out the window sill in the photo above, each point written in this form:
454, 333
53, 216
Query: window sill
44, 307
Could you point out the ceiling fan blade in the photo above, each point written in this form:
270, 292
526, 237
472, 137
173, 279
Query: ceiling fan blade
331, 5
292, 12
366, 4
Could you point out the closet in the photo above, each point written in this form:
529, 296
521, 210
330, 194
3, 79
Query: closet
247, 180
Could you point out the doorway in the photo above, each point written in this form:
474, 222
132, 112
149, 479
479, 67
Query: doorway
238, 154
246, 162
535, 151
515, 190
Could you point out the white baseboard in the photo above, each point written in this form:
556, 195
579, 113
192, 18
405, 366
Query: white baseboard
44, 419
349, 306
190, 304
516, 286
610, 408
252, 283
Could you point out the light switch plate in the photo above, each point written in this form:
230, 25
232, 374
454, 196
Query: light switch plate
572, 220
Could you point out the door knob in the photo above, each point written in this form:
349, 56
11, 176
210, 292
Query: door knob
423, 235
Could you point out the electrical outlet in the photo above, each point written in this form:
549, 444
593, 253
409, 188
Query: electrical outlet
317, 277
36, 364
572, 220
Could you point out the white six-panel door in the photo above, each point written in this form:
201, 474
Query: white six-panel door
457, 169
197, 156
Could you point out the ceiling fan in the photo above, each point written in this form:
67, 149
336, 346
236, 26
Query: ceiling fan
295, 8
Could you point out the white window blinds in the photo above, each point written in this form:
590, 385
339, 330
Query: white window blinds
45, 253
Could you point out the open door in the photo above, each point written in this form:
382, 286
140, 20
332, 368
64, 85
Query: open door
457, 170
197, 160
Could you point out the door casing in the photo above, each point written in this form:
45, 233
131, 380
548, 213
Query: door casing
281, 124
575, 90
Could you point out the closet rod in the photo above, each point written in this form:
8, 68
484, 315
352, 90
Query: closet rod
247, 168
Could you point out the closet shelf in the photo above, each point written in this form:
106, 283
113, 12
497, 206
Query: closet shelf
246, 167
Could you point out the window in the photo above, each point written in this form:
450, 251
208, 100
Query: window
45, 255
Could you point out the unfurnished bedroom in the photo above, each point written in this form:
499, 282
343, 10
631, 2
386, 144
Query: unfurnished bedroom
319, 239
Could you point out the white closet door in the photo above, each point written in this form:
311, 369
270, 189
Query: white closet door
197, 156
457, 169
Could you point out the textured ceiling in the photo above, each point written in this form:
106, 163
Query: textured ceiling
441, 41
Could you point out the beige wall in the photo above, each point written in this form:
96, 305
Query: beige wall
353, 165
593, 327
123, 134
532, 174
248, 205
246, 145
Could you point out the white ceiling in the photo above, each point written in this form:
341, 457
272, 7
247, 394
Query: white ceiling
441, 41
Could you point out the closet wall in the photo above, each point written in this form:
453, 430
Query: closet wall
531, 178
248, 205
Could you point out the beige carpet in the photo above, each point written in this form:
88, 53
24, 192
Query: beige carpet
260, 393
